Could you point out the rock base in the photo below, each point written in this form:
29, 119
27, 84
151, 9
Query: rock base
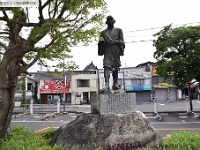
89, 131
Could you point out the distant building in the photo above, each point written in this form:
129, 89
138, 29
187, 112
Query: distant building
82, 86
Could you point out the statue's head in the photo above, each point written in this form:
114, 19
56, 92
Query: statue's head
110, 20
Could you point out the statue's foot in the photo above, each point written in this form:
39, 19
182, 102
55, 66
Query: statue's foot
106, 87
116, 87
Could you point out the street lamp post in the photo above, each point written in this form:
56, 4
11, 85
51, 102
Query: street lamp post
64, 89
64, 98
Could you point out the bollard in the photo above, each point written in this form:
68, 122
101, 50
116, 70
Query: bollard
31, 106
58, 106
155, 105
187, 103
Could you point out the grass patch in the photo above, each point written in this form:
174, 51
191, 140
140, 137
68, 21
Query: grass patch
21, 138
182, 140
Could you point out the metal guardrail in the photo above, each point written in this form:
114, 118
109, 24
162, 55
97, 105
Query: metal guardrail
42, 108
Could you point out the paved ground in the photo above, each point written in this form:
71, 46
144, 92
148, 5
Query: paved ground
169, 106
150, 107
173, 116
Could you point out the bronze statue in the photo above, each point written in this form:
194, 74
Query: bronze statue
111, 45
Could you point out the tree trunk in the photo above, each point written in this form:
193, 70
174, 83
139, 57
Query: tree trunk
7, 91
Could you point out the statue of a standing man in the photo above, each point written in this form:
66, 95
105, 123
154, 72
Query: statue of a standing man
111, 45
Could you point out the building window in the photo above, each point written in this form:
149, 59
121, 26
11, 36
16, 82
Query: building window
49, 97
137, 82
29, 86
83, 83
119, 81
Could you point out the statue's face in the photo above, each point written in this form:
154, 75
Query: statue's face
110, 20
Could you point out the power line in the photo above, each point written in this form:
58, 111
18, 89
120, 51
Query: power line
137, 35
160, 27
142, 35
138, 41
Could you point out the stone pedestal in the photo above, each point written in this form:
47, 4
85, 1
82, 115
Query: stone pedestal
120, 103
113, 124
110, 132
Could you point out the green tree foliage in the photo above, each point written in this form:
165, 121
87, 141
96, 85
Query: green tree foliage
178, 53
48, 31
35, 35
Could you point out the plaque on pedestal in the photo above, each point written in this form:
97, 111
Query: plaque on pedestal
119, 103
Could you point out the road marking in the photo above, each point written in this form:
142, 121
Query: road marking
188, 129
40, 121
161, 104
158, 123
151, 117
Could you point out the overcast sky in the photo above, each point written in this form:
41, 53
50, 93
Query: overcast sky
139, 20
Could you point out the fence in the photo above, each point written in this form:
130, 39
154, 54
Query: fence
41, 108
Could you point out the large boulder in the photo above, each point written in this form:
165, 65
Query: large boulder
88, 131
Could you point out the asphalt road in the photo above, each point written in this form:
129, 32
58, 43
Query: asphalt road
173, 117
171, 122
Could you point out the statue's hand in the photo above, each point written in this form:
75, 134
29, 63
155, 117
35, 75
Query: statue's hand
116, 42
101, 39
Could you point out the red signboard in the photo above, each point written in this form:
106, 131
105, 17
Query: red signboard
54, 86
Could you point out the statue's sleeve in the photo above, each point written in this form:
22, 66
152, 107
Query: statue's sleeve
107, 37
101, 45
122, 44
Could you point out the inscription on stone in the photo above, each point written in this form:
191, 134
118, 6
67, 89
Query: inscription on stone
115, 103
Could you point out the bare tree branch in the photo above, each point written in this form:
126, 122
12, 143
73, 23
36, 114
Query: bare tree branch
49, 10
4, 46
62, 11
4, 32
81, 26
27, 24
40, 10
27, 66
75, 17
56, 8
5, 14
46, 3
39, 36
45, 47
3, 18
27, 12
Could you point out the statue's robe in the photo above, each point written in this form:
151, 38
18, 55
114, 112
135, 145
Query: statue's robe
112, 47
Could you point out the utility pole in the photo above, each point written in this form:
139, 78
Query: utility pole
64, 88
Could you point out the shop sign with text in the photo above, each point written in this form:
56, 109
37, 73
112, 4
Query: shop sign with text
54, 86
